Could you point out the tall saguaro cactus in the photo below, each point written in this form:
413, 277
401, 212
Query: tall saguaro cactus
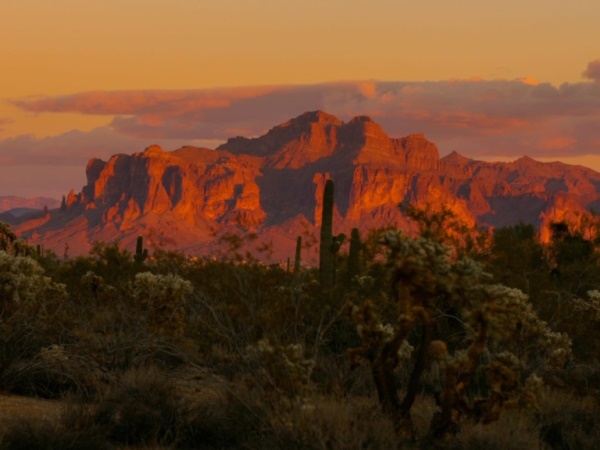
354, 254
326, 255
298, 259
141, 253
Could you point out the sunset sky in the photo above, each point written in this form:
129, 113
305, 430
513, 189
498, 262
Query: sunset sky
491, 79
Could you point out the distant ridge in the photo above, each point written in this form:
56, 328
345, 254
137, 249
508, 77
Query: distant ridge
9, 202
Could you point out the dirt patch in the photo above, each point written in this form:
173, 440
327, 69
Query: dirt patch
14, 408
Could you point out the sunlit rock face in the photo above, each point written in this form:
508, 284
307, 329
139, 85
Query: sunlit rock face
270, 188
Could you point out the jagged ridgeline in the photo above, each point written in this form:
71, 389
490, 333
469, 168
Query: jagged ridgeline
272, 186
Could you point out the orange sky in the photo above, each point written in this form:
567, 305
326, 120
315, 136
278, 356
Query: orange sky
63, 47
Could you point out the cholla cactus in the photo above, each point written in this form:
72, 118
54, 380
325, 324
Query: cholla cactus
285, 370
7, 237
591, 307
24, 289
99, 287
163, 298
10, 243
425, 284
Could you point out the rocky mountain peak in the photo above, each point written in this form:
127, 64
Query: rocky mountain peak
317, 116
153, 150
456, 159
360, 119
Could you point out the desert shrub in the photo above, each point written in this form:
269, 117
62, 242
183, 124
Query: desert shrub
145, 407
282, 372
162, 299
139, 322
232, 421
51, 373
30, 310
25, 290
236, 305
333, 374
142, 407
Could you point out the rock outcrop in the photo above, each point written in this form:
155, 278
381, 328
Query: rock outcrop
270, 188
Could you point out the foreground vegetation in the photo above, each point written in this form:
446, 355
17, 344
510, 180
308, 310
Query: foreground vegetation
455, 339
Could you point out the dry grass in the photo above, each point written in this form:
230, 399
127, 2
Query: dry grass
33, 423
14, 408
193, 409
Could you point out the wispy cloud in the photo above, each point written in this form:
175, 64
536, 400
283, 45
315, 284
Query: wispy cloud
593, 71
76, 147
163, 102
493, 118
5, 121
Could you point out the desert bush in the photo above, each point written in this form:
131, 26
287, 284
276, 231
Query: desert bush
51, 373
145, 407
234, 420
141, 407
139, 322
236, 305
283, 372
25, 289
30, 310
162, 298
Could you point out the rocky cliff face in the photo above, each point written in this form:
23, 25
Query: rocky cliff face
270, 188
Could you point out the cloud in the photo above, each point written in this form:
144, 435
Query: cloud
593, 71
5, 121
66, 149
140, 102
52, 166
479, 118
75, 148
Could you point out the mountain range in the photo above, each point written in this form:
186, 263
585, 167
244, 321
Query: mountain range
11, 202
261, 193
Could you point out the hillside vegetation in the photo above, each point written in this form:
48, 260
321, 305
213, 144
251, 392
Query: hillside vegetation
453, 339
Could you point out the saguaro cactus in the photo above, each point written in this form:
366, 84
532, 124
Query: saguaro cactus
141, 253
298, 259
354, 254
326, 256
